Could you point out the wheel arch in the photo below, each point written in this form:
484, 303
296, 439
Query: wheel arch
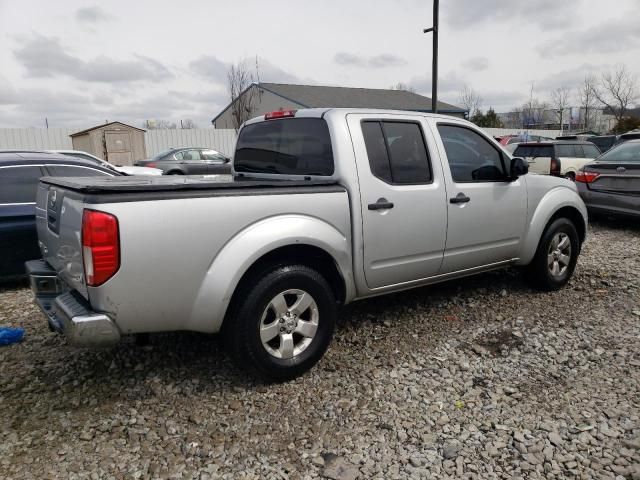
275, 241
558, 203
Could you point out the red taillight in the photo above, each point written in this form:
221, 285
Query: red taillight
100, 246
555, 167
151, 165
280, 114
586, 177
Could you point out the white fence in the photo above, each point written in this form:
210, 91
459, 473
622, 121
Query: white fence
498, 132
156, 140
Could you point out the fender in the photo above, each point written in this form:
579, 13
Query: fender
548, 205
249, 245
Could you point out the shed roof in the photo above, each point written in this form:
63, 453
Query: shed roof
319, 96
106, 125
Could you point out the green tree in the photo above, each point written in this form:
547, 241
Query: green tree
625, 124
488, 120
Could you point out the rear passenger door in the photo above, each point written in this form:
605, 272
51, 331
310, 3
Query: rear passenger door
486, 211
402, 199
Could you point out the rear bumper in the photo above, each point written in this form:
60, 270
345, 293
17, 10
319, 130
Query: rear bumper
67, 311
609, 203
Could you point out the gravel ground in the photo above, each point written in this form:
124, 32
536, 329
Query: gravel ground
481, 378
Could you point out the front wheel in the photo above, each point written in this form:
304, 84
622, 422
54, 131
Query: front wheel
556, 257
282, 323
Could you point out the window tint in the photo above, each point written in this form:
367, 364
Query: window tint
397, 153
295, 146
590, 151
377, 151
74, 171
534, 151
471, 157
19, 184
624, 153
565, 150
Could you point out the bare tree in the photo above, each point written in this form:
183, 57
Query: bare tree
240, 82
560, 102
402, 86
588, 100
469, 99
187, 124
617, 91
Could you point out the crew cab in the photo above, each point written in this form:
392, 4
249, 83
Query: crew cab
324, 207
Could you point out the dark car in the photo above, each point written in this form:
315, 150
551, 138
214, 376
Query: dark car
189, 161
611, 183
19, 176
603, 142
625, 137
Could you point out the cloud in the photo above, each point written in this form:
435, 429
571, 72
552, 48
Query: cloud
571, 78
546, 14
449, 84
210, 67
476, 64
8, 94
92, 15
383, 60
46, 57
606, 37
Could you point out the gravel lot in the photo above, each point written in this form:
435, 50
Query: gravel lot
481, 378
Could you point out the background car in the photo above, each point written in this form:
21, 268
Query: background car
603, 142
510, 139
632, 135
19, 176
127, 170
611, 183
189, 161
560, 158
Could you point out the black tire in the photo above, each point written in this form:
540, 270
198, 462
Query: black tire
241, 332
174, 172
539, 270
570, 176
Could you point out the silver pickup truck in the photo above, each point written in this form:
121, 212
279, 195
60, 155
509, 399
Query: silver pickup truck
325, 206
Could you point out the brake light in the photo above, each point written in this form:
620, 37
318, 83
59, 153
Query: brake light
100, 246
151, 164
555, 167
586, 177
280, 114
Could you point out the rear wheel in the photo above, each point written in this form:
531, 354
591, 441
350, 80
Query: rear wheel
282, 323
175, 172
556, 257
570, 176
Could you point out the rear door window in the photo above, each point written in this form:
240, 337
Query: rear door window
534, 151
397, 152
590, 151
290, 146
566, 151
19, 184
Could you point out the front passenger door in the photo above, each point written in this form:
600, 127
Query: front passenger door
486, 212
191, 162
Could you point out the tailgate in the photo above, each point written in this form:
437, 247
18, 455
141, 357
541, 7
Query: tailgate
59, 226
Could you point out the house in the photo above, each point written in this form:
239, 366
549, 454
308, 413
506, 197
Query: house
270, 97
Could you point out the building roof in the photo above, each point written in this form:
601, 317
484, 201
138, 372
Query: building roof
319, 96
105, 125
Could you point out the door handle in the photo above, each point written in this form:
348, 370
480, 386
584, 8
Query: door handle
460, 198
381, 204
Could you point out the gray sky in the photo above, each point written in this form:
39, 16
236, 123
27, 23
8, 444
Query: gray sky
83, 62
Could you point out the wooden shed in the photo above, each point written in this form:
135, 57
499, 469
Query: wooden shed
115, 142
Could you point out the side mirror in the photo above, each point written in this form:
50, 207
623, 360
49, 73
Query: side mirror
518, 168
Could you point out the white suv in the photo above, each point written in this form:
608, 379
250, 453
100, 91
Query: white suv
559, 158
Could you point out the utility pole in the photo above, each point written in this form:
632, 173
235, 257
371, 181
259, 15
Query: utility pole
434, 66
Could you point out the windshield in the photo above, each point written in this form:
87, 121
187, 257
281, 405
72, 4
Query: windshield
163, 154
295, 146
623, 153
534, 151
